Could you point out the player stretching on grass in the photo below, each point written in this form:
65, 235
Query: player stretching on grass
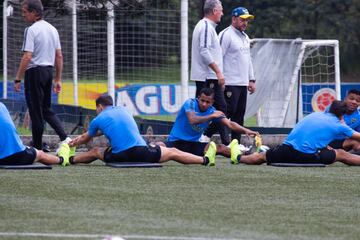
307, 142
193, 118
352, 119
127, 145
14, 152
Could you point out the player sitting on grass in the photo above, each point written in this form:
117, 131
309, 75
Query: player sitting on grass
352, 119
193, 118
307, 142
126, 143
14, 152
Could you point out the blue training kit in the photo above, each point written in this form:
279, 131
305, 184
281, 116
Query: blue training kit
119, 127
316, 131
182, 129
10, 141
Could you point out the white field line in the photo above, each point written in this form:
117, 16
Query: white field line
99, 236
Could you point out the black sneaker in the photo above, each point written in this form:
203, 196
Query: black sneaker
46, 148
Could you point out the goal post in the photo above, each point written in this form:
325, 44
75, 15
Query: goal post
294, 77
140, 56
136, 53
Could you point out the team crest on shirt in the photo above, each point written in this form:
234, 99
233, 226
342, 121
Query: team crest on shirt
212, 85
228, 94
197, 128
353, 120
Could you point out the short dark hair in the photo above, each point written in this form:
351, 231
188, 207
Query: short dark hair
353, 91
105, 100
34, 6
206, 91
338, 108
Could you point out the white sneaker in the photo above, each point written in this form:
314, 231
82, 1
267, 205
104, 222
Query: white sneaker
204, 139
264, 148
67, 140
243, 148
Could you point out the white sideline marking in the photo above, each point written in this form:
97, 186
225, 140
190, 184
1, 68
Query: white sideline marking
68, 235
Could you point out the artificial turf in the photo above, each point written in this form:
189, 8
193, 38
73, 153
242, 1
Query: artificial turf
225, 202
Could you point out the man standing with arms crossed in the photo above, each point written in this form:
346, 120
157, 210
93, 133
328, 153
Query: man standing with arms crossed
42, 50
238, 68
206, 60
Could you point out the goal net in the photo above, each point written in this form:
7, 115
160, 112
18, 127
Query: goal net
143, 57
143, 61
294, 78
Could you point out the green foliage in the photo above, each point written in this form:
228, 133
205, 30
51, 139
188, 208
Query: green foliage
23, 131
306, 19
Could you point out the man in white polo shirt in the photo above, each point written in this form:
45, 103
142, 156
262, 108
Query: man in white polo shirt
238, 68
206, 60
42, 51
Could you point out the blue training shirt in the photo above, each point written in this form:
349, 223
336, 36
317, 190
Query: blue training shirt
182, 129
10, 141
316, 131
352, 120
119, 127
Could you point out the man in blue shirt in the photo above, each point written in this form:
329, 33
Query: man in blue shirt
126, 143
307, 142
14, 152
207, 62
352, 119
193, 118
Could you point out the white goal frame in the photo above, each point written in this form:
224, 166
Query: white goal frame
296, 78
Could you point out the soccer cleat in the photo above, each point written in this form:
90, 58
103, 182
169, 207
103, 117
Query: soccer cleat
72, 151
258, 143
67, 140
46, 148
234, 151
204, 139
64, 151
211, 153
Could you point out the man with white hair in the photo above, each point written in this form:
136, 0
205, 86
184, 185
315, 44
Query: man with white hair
206, 60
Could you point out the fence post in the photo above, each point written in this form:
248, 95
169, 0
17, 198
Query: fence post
184, 51
5, 74
75, 53
111, 50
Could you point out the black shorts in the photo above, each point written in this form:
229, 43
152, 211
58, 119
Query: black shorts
135, 154
196, 148
337, 144
287, 154
25, 157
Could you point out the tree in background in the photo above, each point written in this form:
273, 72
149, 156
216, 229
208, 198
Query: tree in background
307, 19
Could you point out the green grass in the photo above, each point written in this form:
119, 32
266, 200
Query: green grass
226, 201
23, 131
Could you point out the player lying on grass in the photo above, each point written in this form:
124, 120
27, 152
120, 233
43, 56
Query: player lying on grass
14, 152
352, 119
193, 118
126, 143
307, 142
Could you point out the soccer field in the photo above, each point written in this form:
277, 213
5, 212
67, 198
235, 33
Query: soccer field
180, 202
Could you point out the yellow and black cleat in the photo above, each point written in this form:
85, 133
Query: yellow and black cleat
258, 142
